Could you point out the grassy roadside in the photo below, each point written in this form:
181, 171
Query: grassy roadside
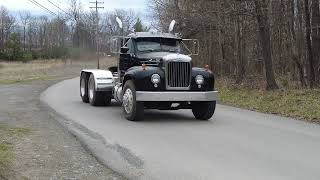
25, 80
7, 157
297, 103
19, 72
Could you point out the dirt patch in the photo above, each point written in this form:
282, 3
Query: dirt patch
33, 145
7, 156
6, 159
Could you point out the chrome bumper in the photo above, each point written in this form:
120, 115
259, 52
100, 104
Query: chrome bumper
177, 96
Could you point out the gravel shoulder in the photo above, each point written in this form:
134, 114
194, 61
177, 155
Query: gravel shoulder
45, 150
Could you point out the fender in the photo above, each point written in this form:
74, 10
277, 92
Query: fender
142, 78
208, 79
104, 80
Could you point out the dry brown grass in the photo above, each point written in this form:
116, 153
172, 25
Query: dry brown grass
12, 72
18, 72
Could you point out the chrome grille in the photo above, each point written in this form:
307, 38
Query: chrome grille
178, 75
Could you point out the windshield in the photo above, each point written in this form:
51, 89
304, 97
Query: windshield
158, 44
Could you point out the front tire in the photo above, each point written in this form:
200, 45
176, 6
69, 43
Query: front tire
203, 110
133, 110
97, 98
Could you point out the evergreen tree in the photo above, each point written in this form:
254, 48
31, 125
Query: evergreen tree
13, 45
139, 27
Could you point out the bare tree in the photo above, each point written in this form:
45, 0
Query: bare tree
24, 18
296, 40
7, 22
315, 23
311, 74
128, 17
264, 31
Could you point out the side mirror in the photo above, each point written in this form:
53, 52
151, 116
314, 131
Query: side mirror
124, 50
116, 42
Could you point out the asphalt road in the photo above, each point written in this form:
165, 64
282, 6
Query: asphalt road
234, 144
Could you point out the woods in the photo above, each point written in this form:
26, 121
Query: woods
62, 33
267, 43
276, 42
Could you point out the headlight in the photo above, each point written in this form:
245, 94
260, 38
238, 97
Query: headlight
155, 78
199, 79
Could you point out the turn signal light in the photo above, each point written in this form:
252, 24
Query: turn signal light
144, 66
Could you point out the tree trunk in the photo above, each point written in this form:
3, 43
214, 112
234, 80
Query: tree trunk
2, 34
30, 39
264, 32
294, 41
240, 63
311, 74
24, 38
316, 39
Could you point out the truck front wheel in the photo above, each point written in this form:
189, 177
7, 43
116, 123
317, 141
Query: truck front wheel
97, 98
203, 110
133, 110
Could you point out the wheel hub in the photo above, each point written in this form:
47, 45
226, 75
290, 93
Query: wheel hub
128, 101
91, 89
82, 87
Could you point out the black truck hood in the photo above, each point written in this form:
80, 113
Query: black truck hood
156, 58
153, 55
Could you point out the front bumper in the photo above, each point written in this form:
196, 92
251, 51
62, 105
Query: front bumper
176, 96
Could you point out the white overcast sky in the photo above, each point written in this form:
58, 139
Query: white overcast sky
18, 5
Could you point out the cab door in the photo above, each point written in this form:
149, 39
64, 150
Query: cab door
126, 57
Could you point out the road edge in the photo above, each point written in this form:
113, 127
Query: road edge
113, 156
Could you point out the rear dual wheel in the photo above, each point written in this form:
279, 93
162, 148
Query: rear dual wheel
84, 88
89, 94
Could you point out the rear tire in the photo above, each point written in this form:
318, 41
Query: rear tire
133, 110
97, 98
84, 88
203, 110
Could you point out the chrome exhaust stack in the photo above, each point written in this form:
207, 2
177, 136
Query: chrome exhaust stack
171, 26
117, 92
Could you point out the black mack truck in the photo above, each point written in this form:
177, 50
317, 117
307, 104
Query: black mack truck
152, 73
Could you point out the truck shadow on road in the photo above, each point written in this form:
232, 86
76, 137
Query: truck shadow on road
154, 116
170, 116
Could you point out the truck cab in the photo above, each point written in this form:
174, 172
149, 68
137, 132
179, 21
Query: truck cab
154, 72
